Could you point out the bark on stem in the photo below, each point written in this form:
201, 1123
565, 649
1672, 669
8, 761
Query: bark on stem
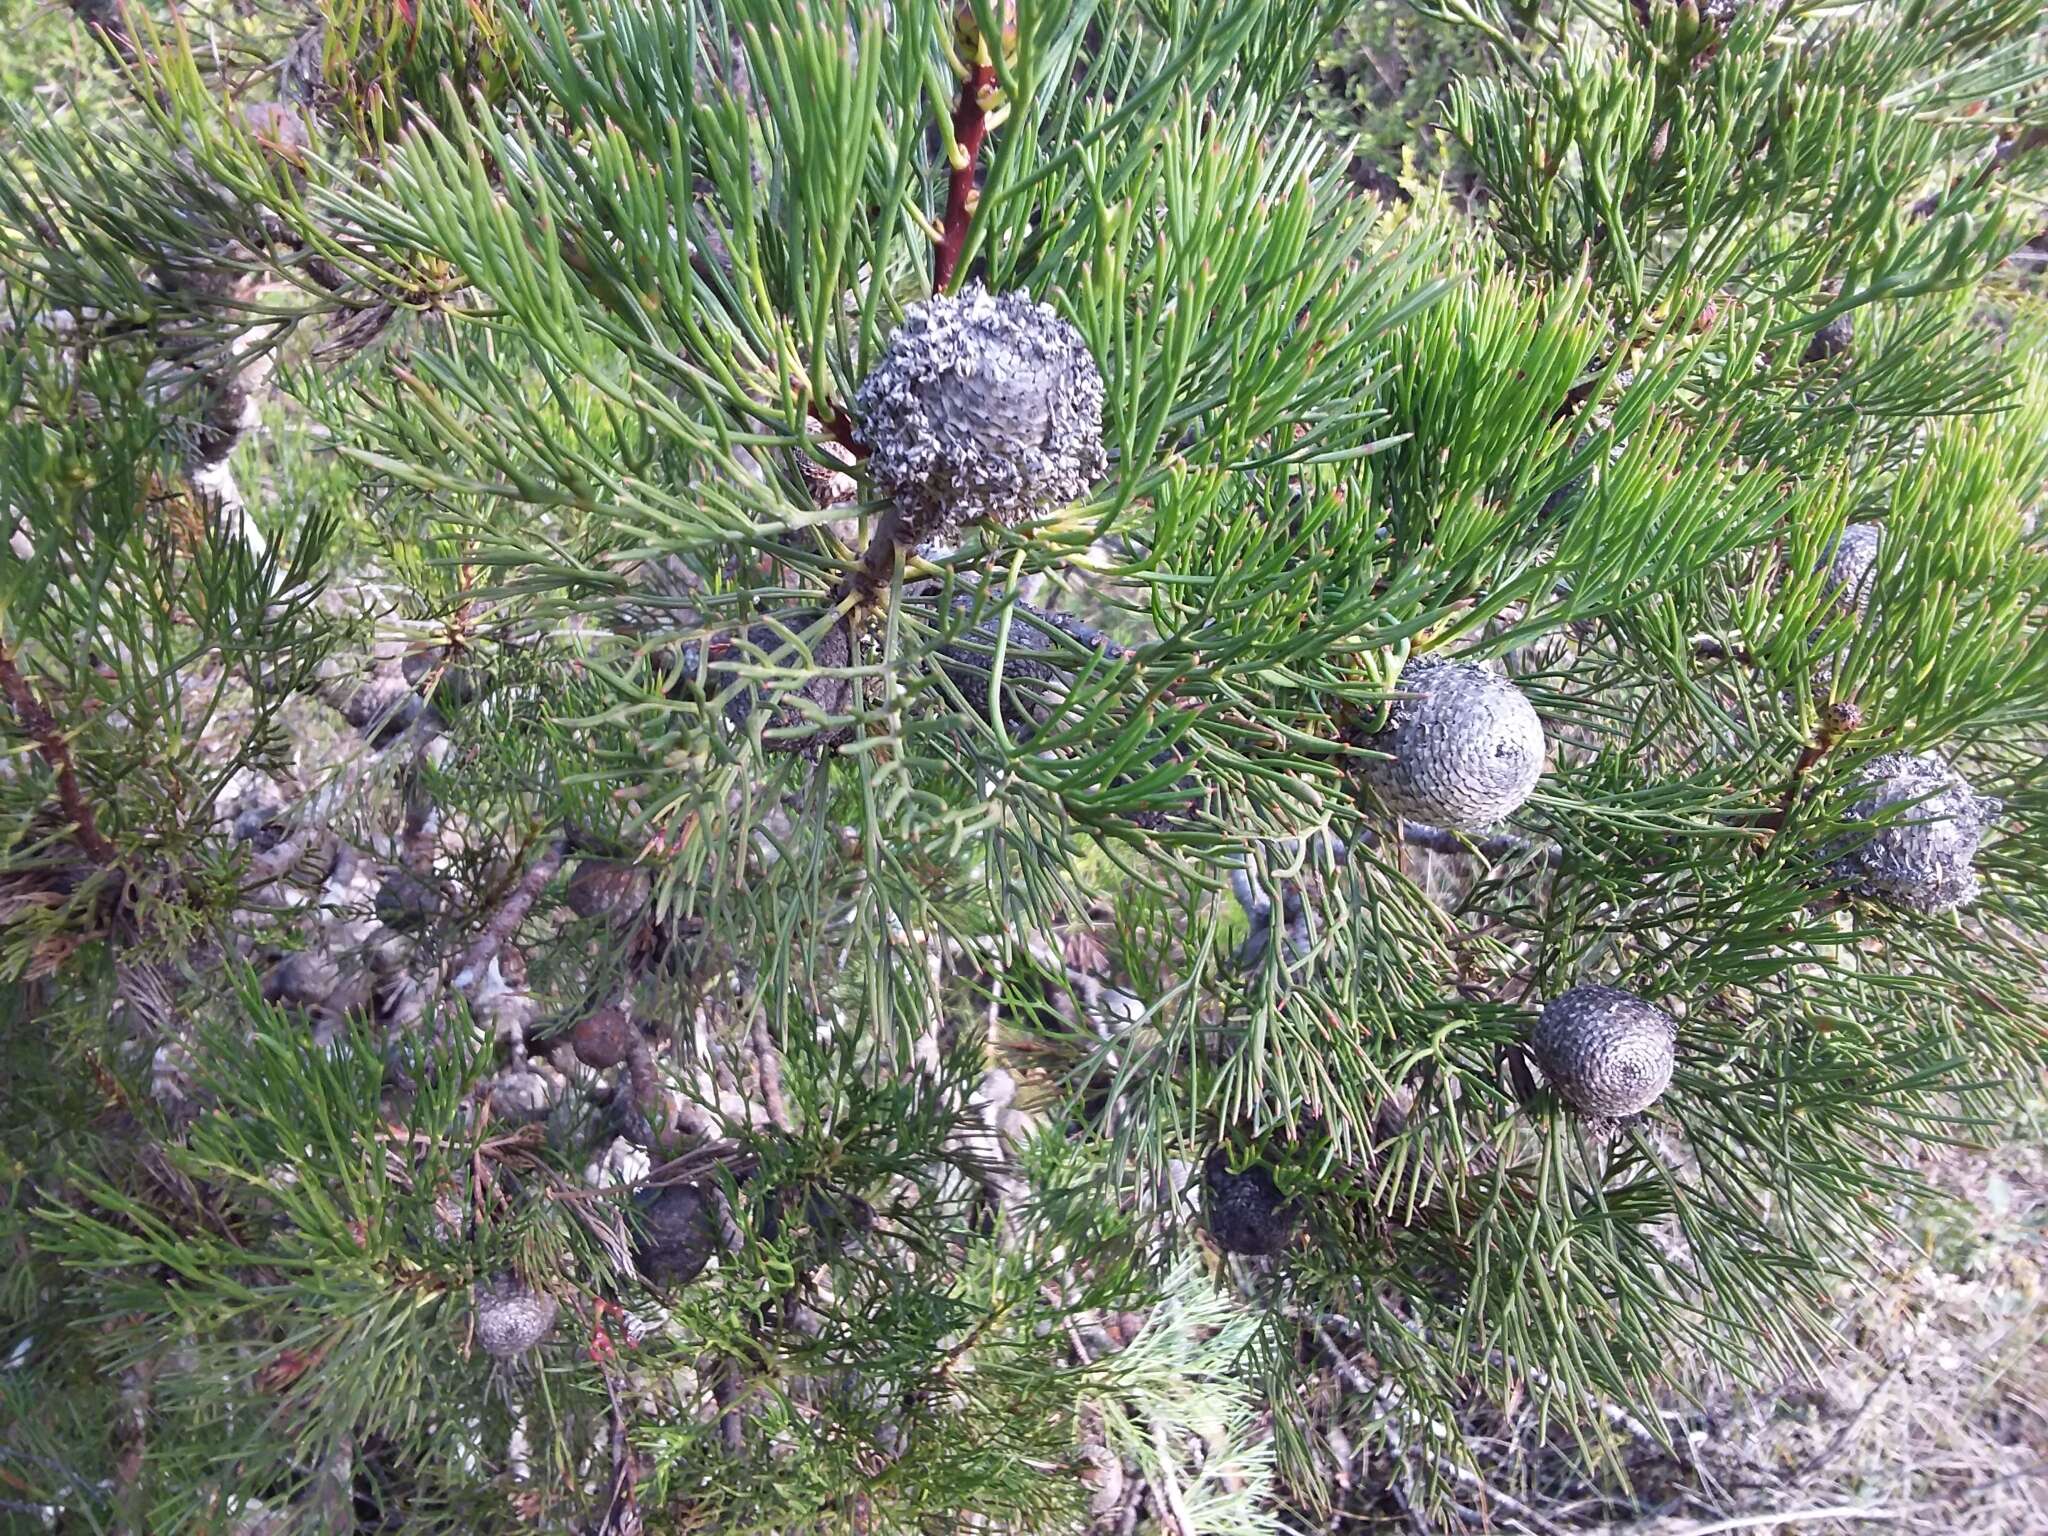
1840, 720
41, 725
506, 920
877, 565
970, 127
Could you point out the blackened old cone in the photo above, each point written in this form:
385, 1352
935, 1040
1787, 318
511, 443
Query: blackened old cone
1035, 672
1246, 1212
674, 1236
795, 681
1921, 858
981, 406
1464, 750
1832, 339
1605, 1051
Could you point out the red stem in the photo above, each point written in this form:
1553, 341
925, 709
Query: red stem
37, 720
970, 127
840, 426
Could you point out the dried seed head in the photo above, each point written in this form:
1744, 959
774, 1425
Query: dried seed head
510, 1317
1032, 687
673, 1235
1920, 859
1466, 750
1852, 563
1246, 1213
1605, 1051
1832, 339
604, 1038
981, 407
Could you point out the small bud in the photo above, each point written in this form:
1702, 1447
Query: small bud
1605, 1051
967, 27
1466, 750
981, 407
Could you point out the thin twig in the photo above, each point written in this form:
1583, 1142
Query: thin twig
970, 127
41, 726
769, 1067
1787, 1517
506, 920
1839, 721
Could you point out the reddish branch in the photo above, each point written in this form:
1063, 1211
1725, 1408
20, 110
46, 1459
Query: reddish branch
970, 127
877, 563
41, 726
1838, 722
840, 426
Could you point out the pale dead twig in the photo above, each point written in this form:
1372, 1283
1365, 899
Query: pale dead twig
1169, 1486
769, 1067
469, 970
1787, 1517
1355, 1379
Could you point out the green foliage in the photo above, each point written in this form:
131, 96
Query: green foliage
1382, 83
571, 302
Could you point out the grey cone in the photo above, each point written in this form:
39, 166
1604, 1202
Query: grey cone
1465, 751
1605, 1051
510, 1318
981, 407
1852, 563
1921, 858
1032, 686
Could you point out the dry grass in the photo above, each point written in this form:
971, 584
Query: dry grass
1935, 1417
1931, 1415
